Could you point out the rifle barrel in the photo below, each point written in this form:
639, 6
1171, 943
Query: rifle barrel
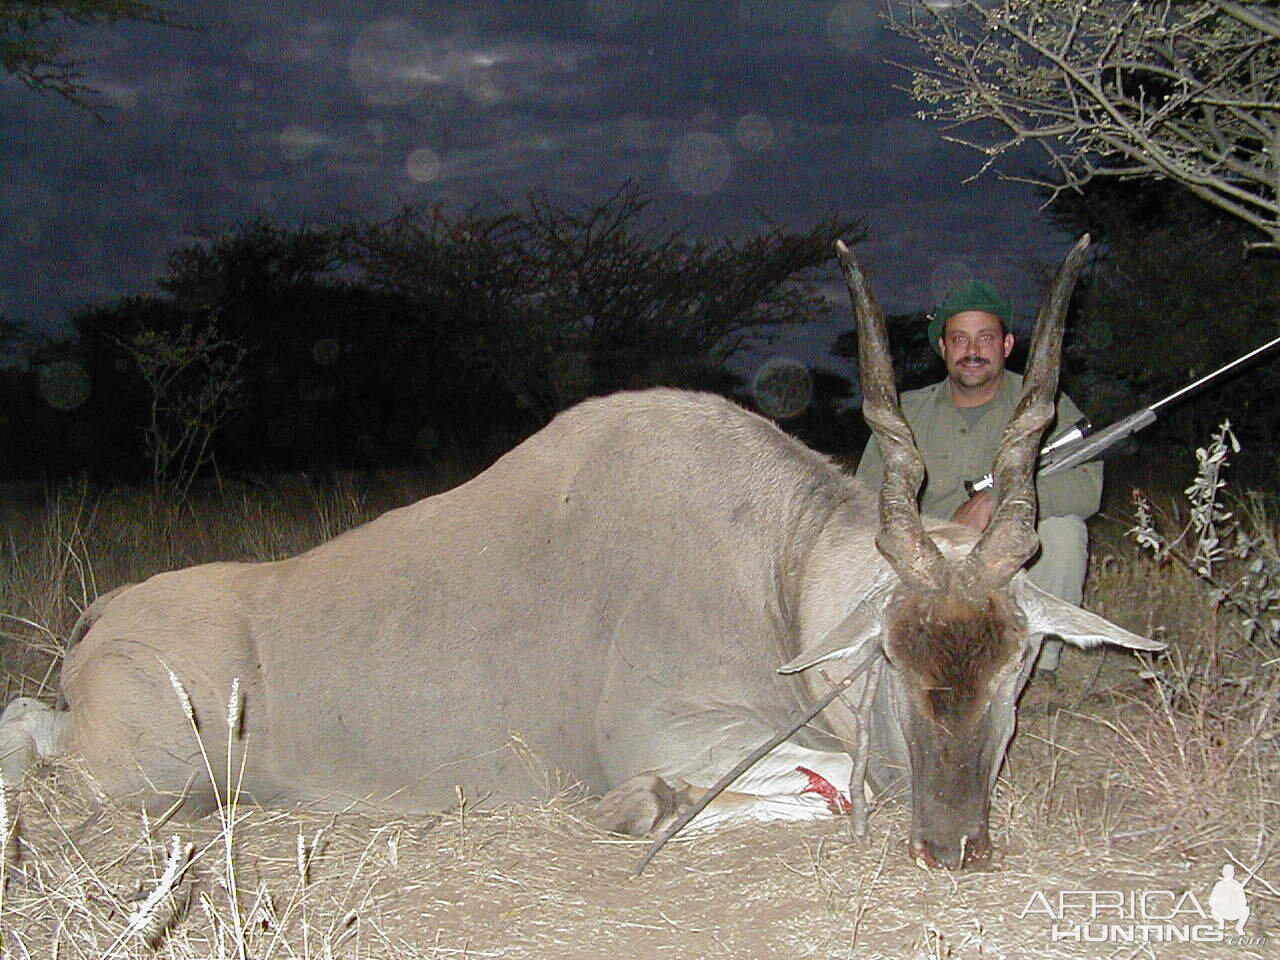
1068, 451
1092, 446
1208, 378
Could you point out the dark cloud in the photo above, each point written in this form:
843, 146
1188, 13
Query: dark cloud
727, 112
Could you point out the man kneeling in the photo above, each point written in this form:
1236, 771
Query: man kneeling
958, 424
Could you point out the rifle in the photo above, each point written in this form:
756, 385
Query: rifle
1080, 444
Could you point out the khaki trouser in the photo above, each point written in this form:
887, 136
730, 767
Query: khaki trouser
1059, 570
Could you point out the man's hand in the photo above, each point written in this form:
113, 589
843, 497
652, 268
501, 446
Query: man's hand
976, 511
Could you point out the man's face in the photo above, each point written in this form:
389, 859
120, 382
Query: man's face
974, 348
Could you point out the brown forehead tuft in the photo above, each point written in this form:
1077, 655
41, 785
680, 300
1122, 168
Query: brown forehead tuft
953, 647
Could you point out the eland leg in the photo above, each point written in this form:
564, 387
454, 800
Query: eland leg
791, 783
645, 805
642, 805
30, 731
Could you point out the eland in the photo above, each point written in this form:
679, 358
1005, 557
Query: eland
633, 598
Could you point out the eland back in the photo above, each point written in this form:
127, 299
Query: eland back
632, 598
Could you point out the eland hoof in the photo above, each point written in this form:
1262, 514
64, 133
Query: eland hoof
642, 805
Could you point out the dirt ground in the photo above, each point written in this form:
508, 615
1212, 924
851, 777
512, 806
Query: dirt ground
522, 882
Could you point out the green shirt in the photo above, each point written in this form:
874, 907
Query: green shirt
956, 450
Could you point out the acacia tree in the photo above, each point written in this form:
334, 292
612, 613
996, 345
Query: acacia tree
429, 333
1186, 90
33, 47
553, 304
195, 385
1169, 299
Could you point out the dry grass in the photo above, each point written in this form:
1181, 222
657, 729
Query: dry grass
534, 882
1199, 732
66, 545
1115, 782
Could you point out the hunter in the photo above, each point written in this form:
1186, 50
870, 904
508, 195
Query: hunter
958, 424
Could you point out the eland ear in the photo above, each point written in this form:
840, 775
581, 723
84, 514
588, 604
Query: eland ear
855, 638
1046, 613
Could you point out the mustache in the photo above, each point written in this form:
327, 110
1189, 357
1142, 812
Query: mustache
974, 358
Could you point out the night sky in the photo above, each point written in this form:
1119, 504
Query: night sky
726, 113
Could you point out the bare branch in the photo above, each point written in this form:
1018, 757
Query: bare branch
1188, 92
1251, 17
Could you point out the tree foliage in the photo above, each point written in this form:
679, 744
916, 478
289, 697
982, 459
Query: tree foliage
554, 304
311, 386
1186, 90
1171, 297
194, 389
916, 362
33, 44
431, 334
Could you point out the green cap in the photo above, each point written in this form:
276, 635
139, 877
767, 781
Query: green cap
974, 295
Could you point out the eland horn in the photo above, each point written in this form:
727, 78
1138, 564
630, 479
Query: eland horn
1010, 539
901, 538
